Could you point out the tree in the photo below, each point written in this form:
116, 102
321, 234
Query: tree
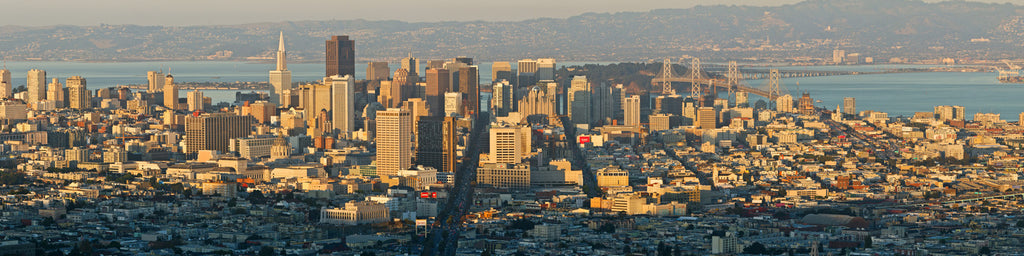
266, 251
755, 248
1020, 223
985, 250
867, 242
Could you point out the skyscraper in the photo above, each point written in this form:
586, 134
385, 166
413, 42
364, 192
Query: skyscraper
156, 81
526, 73
394, 141
195, 100
5, 84
343, 112
579, 100
376, 71
170, 93
430, 141
412, 65
501, 70
450, 141
453, 103
341, 56
36, 85
784, 103
545, 69
706, 118
806, 104
281, 77
437, 84
537, 101
849, 106
469, 86
631, 111
55, 92
501, 96
78, 95
509, 143
213, 131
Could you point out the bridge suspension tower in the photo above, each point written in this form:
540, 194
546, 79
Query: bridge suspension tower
666, 76
695, 88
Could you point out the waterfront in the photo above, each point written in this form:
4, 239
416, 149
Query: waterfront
895, 93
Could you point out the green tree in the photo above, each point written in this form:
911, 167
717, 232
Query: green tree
755, 248
867, 242
985, 250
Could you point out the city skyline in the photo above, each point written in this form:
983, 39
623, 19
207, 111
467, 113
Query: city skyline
228, 12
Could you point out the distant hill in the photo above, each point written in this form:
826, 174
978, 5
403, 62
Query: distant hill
883, 28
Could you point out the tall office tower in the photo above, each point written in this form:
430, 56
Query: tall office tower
501, 96
341, 56
437, 85
399, 87
849, 106
435, 64
36, 85
501, 70
394, 141
195, 100
509, 143
385, 93
707, 118
838, 56
742, 99
631, 111
376, 71
526, 73
453, 104
453, 74
156, 81
430, 141
281, 77
469, 86
464, 60
806, 104
55, 92
170, 93
784, 103
449, 144
417, 107
946, 113
605, 104
579, 100
213, 131
537, 101
413, 66
78, 95
343, 106
546, 69
6, 88
1020, 119
260, 110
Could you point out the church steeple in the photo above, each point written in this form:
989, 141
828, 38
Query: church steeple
281, 64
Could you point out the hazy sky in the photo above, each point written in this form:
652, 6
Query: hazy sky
211, 12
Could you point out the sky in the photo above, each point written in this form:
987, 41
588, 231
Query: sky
226, 12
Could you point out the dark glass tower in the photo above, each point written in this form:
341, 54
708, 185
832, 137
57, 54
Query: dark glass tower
341, 56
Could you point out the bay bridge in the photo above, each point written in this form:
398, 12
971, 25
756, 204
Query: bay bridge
701, 81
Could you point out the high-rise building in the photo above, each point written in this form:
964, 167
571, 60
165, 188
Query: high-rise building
449, 143
261, 110
464, 60
501, 70
36, 85
413, 66
509, 143
55, 92
806, 104
343, 109
376, 71
430, 142
579, 100
453, 104
170, 93
156, 81
537, 101
631, 111
849, 106
838, 56
707, 118
195, 100
526, 73
502, 175
946, 113
437, 85
469, 86
501, 98
394, 141
784, 103
341, 56
78, 95
6, 88
214, 131
742, 99
280, 77
545, 69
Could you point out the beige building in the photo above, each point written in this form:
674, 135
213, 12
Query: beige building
502, 175
355, 213
539, 101
394, 141
78, 95
707, 118
579, 100
510, 143
13, 110
612, 176
156, 81
280, 77
213, 131
55, 92
631, 111
36, 85
195, 100
170, 93
343, 109
6, 87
